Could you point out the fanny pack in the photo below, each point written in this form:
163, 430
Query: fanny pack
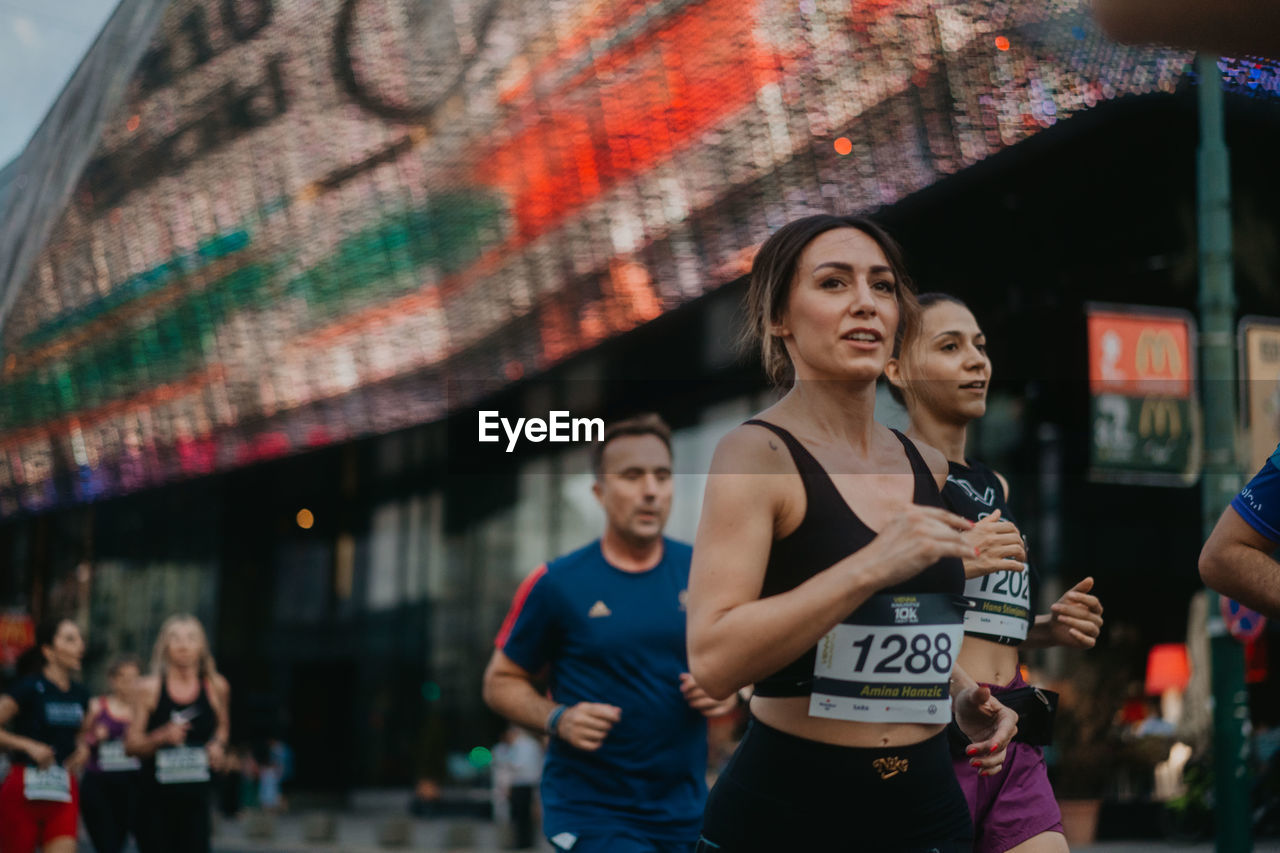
1036, 709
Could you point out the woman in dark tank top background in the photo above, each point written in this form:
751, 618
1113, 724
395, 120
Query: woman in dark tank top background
941, 374
180, 728
810, 513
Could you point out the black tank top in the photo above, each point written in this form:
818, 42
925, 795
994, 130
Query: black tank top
198, 712
829, 532
974, 491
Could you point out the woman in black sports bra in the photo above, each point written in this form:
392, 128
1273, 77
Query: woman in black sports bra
180, 728
833, 585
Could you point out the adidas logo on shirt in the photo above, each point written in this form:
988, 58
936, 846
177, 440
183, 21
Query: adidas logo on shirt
598, 610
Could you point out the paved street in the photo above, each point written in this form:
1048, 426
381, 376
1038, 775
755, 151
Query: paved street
359, 834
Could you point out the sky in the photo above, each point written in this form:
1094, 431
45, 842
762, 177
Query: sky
41, 43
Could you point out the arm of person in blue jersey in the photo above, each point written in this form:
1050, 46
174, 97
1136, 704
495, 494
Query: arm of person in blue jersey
524, 648
1237, 561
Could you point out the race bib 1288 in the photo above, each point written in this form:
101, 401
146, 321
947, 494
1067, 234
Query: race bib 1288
890, 662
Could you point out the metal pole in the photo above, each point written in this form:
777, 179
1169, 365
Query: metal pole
1221, 472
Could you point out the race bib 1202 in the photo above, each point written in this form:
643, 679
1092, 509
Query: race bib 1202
890, 662
1000, 604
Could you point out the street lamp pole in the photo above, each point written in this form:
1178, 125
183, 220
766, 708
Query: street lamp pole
1221, 478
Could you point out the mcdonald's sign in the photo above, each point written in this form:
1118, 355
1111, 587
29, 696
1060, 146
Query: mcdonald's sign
17, 634
1139, 354
1159, 418
1159, 355
1141, 373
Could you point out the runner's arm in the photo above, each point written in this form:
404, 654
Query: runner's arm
137, 741
735, 638
85, 734
217, 747
1237, 562
84, 739
8, 740
509, 690
222, 708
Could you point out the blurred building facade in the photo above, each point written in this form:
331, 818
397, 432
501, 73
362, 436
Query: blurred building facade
276, 255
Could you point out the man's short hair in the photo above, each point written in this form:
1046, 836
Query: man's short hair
649, 423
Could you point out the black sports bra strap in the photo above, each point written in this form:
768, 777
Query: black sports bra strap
803, 458
819, 490
923, 473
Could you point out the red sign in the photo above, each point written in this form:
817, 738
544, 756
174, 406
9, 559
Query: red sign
17, 634
1139, 355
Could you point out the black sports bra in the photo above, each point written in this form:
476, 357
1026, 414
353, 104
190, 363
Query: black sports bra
829, 532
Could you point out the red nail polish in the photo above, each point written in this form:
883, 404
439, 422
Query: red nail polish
973, 750
977, 553
975, 763
995, 747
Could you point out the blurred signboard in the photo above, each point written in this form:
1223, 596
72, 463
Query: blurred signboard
1143, 417
308, 221
17, 634
1260, 387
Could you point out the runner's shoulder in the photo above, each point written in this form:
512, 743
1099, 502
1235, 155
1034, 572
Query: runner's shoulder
752, 449
936, 460
148, 691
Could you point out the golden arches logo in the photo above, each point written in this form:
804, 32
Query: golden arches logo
1158, 353
1160, 417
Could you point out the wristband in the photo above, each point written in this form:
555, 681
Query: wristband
553, 720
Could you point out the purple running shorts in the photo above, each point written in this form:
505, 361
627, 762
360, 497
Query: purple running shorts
1014, 805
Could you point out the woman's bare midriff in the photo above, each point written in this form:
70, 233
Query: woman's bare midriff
790, 714
988, 662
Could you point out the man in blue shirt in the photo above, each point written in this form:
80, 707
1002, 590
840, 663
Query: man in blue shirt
1237, 561
626, 767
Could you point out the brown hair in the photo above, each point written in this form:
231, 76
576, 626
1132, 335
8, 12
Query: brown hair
774, 271
646, 424
905, 342
120, 661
